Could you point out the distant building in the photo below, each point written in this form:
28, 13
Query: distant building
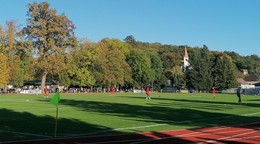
252, 79
249, 82
245, 71
244, 84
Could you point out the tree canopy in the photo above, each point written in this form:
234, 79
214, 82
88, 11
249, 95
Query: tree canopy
46, 49
50, 34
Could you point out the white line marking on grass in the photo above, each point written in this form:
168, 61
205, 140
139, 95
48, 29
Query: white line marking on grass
22, 133
117, 129
142, 140
14, 100
163, 124
195, 133
251, 114
149, 126
37, 108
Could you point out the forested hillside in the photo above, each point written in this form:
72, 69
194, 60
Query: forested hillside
47, 49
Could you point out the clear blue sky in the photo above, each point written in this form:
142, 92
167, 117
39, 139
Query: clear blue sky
222, 25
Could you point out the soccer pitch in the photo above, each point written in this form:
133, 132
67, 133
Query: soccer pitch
26, 117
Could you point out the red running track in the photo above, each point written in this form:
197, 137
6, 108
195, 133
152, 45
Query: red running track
241, 134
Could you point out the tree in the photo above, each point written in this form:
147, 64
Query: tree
110, 68
4, 71
23, 49
177, 77
170, 60
206, 80
9, 37
51, 34
118, 66
157, 76
198, 75
140, 64
253, 61
79, 62
130, 39
223, 72
2, 42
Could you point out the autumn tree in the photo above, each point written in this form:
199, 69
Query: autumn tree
4, 76
4, 70
2, 37
51, 34
13, 58
171, 63
170, 60
110, 68
79, 63
8, 48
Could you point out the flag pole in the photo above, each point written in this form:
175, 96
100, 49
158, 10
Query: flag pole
56, 122
55, 101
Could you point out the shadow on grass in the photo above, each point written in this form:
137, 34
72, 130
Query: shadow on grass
23, 126
214, 105
183, 116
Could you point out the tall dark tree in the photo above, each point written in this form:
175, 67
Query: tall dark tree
130, 39
224, 72
206, 80
198, 74
140, 64
157, 70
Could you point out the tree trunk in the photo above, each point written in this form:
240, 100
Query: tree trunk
43, 81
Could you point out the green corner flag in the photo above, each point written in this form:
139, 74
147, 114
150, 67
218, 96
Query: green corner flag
55, 99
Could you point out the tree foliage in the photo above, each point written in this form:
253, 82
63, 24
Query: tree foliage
140, 64
224, 75
79, 61
111, 68
51, 34
198, 75
4, 71
46, 48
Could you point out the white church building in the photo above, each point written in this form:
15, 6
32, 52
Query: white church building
185, 59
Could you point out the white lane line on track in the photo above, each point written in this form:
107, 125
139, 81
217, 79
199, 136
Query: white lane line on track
141, 140
229, 137
204, 133
246, 138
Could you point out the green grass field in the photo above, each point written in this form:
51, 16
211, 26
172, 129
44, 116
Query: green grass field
33, 117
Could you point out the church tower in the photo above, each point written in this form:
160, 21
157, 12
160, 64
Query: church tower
185, 59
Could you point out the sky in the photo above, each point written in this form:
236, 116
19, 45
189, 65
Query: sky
221, 25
